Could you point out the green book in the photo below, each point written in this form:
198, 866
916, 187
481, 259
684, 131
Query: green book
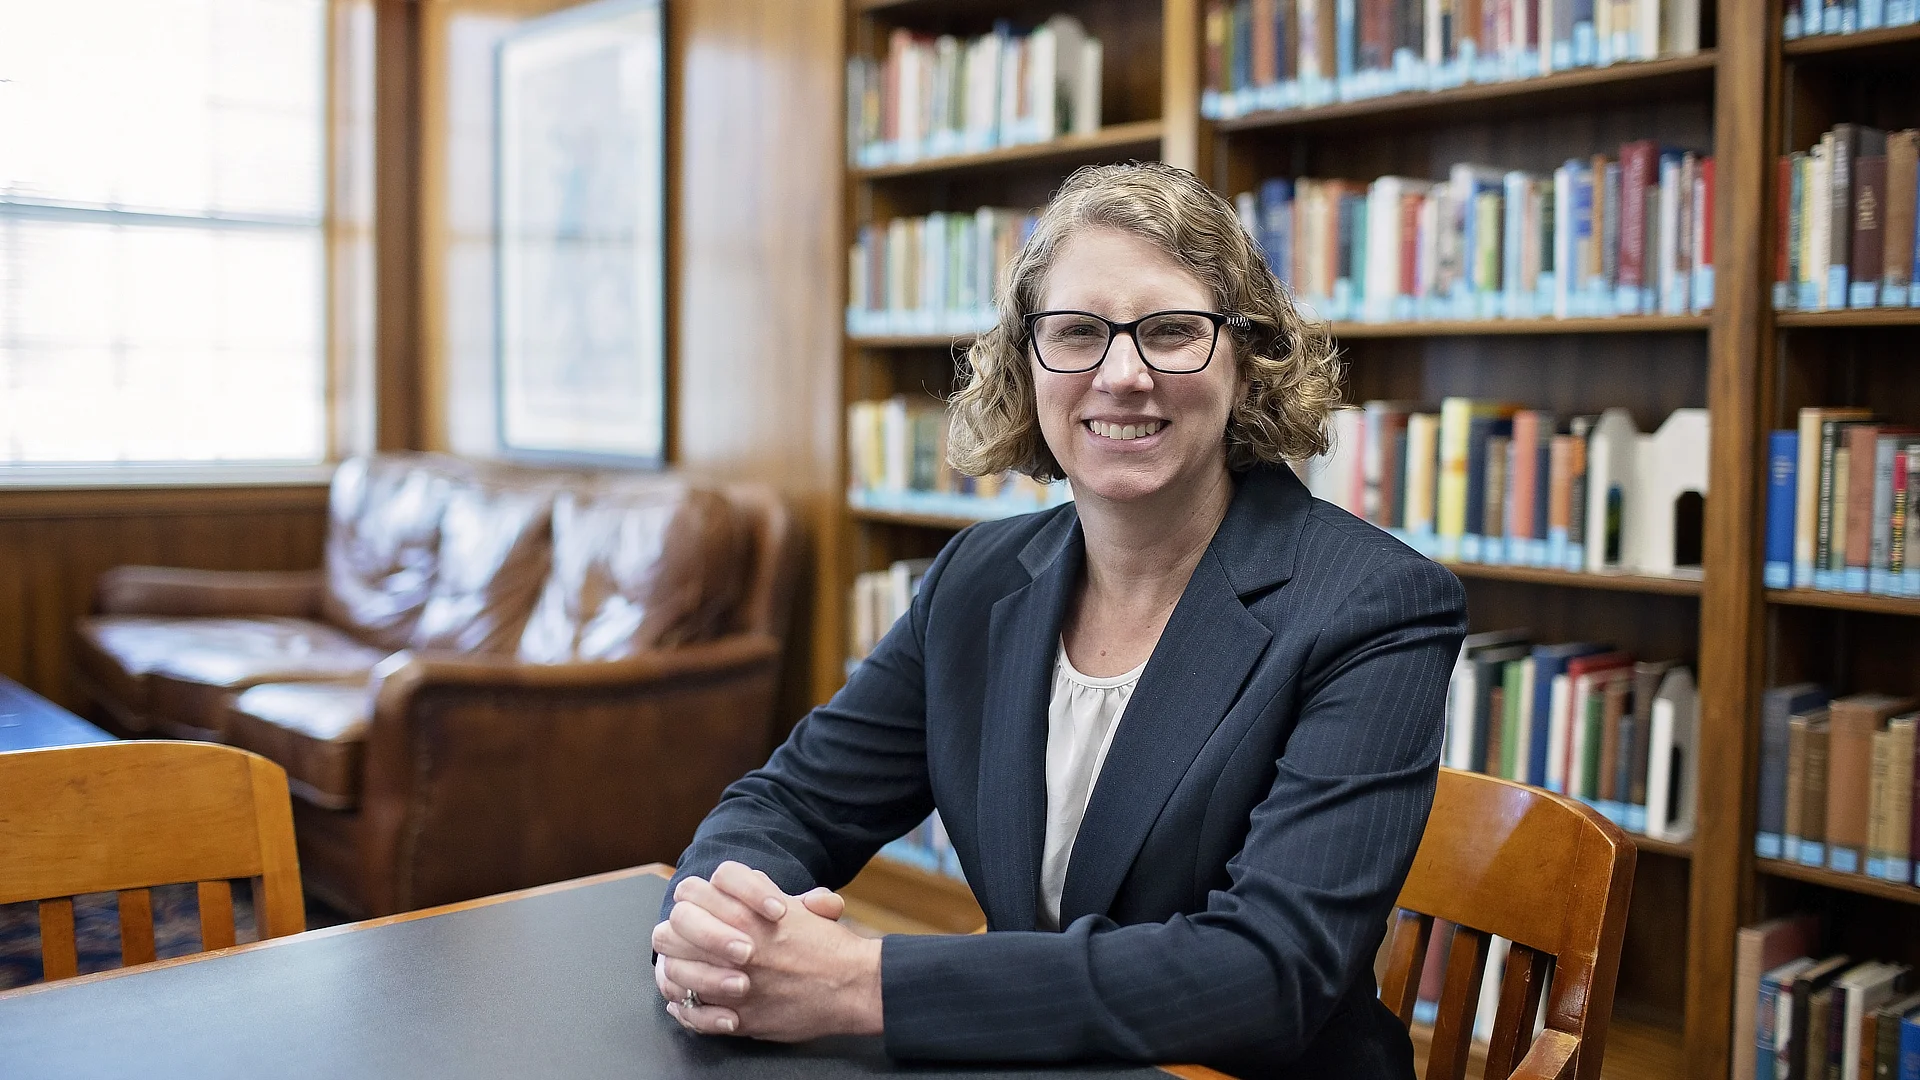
1516, 701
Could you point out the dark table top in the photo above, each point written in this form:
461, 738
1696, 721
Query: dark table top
552, 982
31, 722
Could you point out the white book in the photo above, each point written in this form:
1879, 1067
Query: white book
1432, 47
1384, 240
1456, 746
1515, 294
1489, 1007
1040, 122
1564, 180
1820, 181
1671, 767
933, 262
1671, 301
1086, 95
1560, 730
1646, 29
983, 92
1680, 34
1611, 461
1013, 56
1862, 990
907, 118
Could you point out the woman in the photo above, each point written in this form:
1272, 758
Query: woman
1207, 880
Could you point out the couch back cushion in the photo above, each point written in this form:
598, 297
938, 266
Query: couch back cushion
383, 543
637, 565
495, 543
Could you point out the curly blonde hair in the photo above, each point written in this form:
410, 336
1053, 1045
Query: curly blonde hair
1289, 364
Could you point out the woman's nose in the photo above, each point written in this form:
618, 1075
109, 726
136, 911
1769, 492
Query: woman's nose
1123, 371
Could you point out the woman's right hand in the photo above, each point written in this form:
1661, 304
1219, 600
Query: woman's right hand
719, 980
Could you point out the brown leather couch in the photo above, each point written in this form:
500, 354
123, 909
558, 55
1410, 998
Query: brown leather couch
500, 678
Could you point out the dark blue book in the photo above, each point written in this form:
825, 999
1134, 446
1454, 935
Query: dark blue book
1548, 661
1909, 1049
1778, 706
1783, 468
1276, 225
1479, 430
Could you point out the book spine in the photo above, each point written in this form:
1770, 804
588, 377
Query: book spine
1849, 777
1879, 570
1782, 231
1861, 445
1898, 237
1813, 812
1869, 208
1782, 458
1823, 527
1839, 215
1703, 212
1636, 169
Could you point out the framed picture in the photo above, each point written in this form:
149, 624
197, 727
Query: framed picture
580, 227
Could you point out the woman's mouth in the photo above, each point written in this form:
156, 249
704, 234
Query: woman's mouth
1124, 432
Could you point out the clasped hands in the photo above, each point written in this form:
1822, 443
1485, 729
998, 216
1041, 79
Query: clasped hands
762, 963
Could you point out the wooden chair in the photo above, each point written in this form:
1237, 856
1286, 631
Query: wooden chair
1546, 873
126, 816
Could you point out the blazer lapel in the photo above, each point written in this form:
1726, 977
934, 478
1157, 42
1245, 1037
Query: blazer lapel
1210, 645
1023, 638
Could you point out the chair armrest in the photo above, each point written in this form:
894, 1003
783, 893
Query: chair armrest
1551, 1057
489, 775
165, 590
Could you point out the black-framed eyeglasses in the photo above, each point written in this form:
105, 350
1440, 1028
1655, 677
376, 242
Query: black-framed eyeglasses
1170, 342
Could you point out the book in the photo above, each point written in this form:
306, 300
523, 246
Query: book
1807, 1041
1806, 838
1861, 991
1478, 668
1897, 254
1774, 1017
1886, 1056
1549, 663
1869, 207
1855, 560
1569, 731
1854, 719
1778, 706
1635, 742
1759, 950
1890, 820
1783, 452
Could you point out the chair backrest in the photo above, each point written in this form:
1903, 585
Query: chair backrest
126, 816
1546, 873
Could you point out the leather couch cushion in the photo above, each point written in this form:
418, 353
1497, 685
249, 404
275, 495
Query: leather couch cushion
315, 731
494, 551
383, 543
637, 565
122, 654
189, 689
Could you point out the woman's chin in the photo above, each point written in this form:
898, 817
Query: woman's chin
1118, 485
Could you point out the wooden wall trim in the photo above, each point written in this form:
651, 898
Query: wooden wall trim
23, 504
396, 226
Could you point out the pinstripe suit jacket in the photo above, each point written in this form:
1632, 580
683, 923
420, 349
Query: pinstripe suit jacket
1244, 842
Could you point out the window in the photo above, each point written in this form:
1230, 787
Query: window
163, 240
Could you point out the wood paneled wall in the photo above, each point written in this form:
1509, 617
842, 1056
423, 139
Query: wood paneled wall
55, 544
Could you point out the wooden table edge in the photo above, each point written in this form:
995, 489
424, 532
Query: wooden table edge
1185, 1072
650, 869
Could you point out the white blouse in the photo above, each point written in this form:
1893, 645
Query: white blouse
1082, 715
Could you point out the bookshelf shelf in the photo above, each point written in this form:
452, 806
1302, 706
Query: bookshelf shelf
1682, 849
1845, 601
1845, 46
1114, 141
1624, 324
1617, 84
1848, 319
1834, 879
1640, 583
911, 341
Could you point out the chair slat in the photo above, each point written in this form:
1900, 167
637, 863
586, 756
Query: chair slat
1453, 1028
216, 914
1520, 988
59, 956
136, 926
1407, 956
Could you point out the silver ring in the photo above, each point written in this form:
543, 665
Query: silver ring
691, 1001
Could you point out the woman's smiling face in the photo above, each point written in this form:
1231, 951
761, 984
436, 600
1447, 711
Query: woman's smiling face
1123, 431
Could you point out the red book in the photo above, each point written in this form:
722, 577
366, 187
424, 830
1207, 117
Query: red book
1376, 36
1266, 60
1523, 477
1219, 25
1638, 162
1409, 242
1703, 234
1861, 442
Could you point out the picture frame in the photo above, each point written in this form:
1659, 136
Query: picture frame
580, 235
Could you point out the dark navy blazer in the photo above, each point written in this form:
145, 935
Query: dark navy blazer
1244, 842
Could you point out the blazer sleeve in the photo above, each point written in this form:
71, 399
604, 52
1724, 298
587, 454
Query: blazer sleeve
851, 777
1268, 961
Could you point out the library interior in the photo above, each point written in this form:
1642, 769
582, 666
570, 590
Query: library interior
791, 538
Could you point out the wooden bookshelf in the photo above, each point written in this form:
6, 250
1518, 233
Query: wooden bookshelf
1740, 95
1678, 849
1845, 601
1618, 84
1848, 320
1834, 879
1624, 324
1842, 46
1674, 585
1138, 139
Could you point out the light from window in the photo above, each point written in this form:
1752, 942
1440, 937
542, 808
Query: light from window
162, 231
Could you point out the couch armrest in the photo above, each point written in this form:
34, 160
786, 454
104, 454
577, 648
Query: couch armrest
489, 775
1551, 1057
165, 590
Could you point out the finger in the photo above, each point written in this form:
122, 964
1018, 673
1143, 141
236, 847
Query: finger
700, 891
705, 1019
825, 903
708, 934
669, 942
714, 984
751, 887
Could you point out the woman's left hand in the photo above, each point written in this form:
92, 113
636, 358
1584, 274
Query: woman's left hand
801, 975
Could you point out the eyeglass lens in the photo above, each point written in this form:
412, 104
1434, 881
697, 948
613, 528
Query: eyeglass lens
1175, 342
